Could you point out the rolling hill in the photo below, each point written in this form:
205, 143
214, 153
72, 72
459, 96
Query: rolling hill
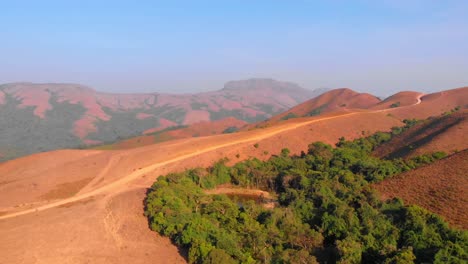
334, 102
42, 117
337, 99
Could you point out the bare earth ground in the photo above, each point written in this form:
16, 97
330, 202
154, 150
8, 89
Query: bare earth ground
103, 221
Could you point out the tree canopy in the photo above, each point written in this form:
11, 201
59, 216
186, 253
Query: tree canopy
326, 211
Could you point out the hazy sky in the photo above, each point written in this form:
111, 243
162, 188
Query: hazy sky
188, 46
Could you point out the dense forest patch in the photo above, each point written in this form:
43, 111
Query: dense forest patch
327, 211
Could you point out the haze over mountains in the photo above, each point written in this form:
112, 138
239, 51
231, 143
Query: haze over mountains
41, 117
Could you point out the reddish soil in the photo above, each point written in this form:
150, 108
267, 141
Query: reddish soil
163, 124
238, 191
439, 187
267, 200
196, 116
143, 115
34, 178
65, 190
35, 97
444, 133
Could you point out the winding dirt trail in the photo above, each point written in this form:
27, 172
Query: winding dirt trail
139, 173
418, 101
114, 160
87, 191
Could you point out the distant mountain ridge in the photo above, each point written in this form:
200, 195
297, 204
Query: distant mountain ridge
41, 117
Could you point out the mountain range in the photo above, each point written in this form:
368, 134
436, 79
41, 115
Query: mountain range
42, 117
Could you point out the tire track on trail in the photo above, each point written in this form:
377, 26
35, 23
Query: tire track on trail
112, 161
139, 173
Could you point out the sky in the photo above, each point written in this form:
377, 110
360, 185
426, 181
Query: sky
377, 46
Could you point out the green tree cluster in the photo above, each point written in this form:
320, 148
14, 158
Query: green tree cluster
327, 211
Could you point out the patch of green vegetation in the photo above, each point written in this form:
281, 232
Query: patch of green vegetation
327, 212
171, 128
454, 110
236, 113
317, 111
230, 129
256, 145
122, 125
430, 128
409, 123
198, 106
289, 116
176, 115
23, 133
394, 105
267, 108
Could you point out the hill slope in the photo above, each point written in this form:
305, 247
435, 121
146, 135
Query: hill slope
334, 100
439, 187
41, 117
201, 129
445, 133
337, 99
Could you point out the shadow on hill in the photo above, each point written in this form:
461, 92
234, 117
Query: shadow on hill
406, 143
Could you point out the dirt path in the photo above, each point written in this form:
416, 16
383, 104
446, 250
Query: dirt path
114, 186
136, 174
113, 160
418, 101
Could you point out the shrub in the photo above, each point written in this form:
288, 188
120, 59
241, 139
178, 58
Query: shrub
230, 129
394, 105
289, 116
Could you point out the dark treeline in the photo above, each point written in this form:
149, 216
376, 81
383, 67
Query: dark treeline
327, 211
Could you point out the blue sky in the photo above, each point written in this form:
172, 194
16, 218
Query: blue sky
188, 46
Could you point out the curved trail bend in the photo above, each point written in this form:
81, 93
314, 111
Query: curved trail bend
139, 173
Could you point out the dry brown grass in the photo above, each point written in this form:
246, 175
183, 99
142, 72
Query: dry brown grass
440, 187
65, 190
444, 133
